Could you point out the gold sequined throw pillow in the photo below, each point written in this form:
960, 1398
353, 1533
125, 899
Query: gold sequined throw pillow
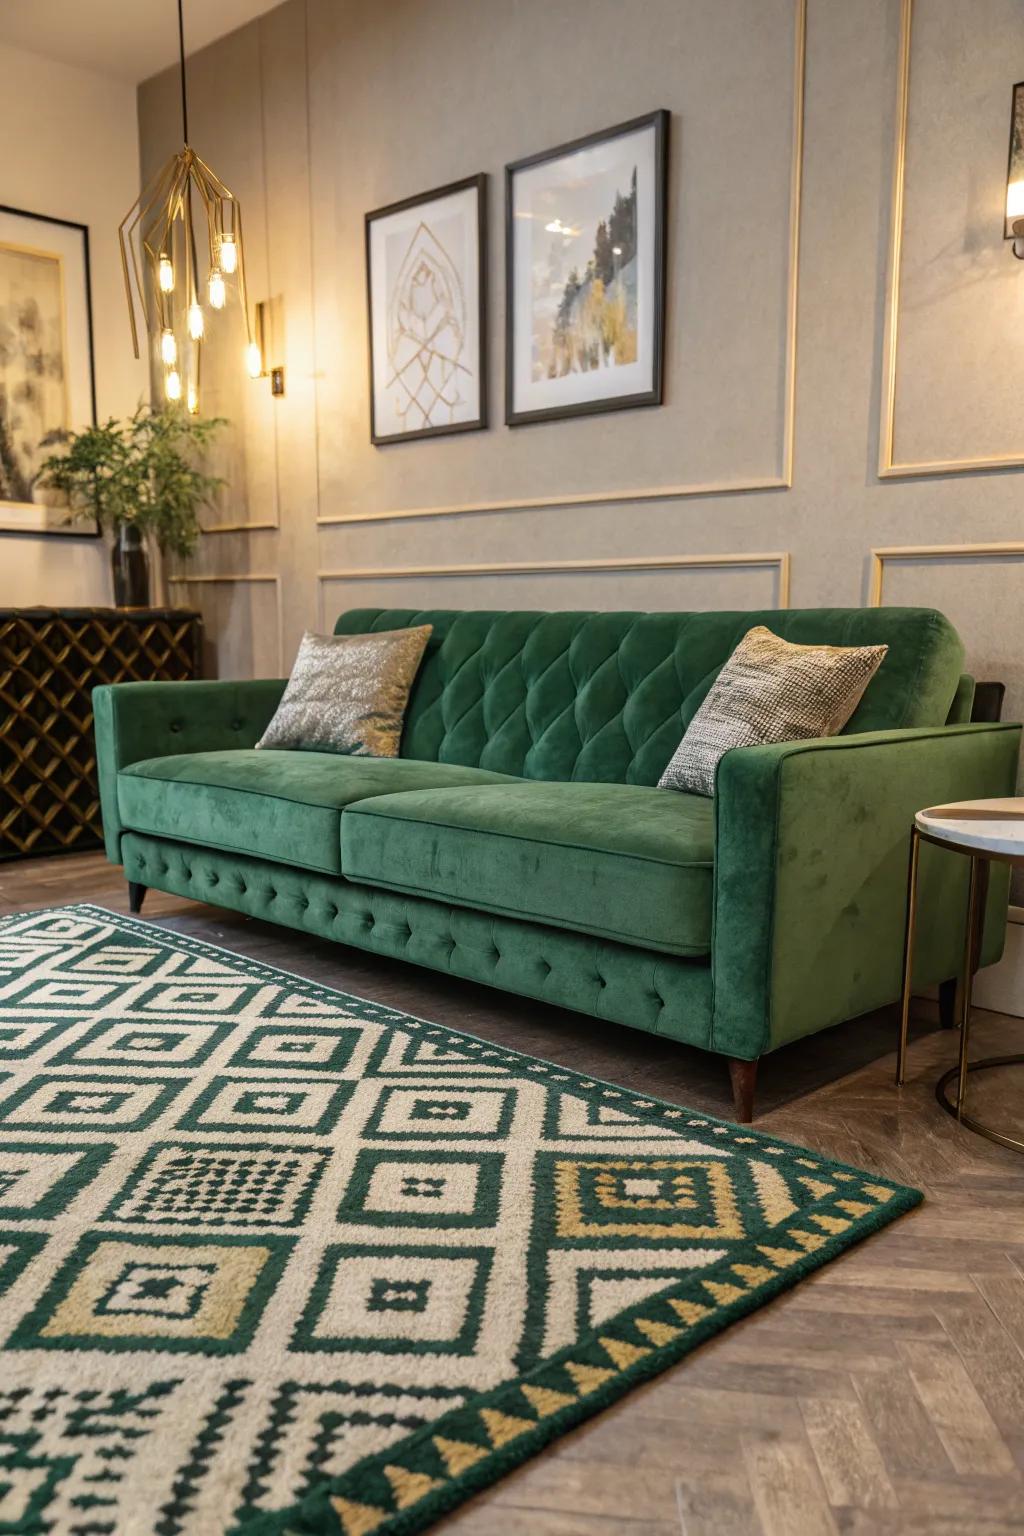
770, 690
347, 693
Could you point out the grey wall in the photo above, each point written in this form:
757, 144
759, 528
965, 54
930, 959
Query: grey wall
326, 108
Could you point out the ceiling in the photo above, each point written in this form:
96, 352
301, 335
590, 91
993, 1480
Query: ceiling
130, 39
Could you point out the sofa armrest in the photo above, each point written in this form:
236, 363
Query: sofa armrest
811, 855
135, 721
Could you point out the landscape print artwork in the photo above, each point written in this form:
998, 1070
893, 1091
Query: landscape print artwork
586, 228
45, 362
33, 383
584, 293
425, 275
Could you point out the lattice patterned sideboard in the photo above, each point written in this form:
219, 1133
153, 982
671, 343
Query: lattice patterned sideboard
50, 661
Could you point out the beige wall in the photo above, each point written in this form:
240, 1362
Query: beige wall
326, 108
70, 150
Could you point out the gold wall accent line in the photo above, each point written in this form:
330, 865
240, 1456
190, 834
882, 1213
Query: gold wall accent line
204, 579
242, 528
776, 560
888, 468
570, 499
781, 482
996, 551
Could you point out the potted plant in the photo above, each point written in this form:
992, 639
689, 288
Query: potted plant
138, 478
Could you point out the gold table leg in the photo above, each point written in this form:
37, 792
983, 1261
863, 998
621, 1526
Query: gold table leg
967, 983
908, 955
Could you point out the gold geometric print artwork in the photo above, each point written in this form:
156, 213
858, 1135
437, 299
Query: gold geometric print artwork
426, 335
282, 1262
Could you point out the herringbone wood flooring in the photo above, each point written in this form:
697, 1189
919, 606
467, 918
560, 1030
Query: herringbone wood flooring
884, 1395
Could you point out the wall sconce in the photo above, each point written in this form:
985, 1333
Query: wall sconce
268, 341
1014, 229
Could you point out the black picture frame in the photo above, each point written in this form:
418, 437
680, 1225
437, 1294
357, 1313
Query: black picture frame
659, 121
83, 531
478, 183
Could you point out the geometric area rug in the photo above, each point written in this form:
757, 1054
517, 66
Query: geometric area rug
274, 1259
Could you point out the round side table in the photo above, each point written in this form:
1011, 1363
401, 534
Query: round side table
984, 830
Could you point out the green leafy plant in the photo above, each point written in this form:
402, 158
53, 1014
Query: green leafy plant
142, 471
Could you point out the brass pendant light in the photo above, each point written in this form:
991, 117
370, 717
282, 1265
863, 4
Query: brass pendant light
175, 300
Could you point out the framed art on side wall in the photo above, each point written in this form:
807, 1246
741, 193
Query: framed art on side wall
47, 384
426, 277
585, 274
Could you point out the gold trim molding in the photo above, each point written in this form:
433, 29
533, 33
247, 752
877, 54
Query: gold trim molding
242, 528
241, 577
778, 561
781, 482
939, 552
888, 468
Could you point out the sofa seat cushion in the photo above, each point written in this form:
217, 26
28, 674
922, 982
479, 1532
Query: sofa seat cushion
623, 861
278, 805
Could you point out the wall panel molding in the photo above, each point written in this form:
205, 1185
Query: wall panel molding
888, 467
776, 482
242, 528
241, 578
937, 552
779, 561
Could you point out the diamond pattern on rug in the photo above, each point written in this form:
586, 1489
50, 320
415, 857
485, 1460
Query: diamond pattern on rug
262, 1244
295, 1047
51, 1102
399, 1300
267, 1104
158, 1293
136, 1041
391, 1188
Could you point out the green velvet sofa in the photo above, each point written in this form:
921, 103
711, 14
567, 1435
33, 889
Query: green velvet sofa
520, 840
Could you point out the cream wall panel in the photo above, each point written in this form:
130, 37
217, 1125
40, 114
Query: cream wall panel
956, 276
69, 148
462, 111
242, 618
672, 585
289, 274
980, 590
384, 124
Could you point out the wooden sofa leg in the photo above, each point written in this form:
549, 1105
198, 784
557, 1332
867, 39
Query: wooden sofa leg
743, 1076
948, 1014
136, 895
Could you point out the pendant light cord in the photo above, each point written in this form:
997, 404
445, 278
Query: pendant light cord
181, 48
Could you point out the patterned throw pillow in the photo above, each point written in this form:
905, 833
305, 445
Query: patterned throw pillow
770, 690
347, 693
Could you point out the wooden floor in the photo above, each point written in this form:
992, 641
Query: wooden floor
884, 1395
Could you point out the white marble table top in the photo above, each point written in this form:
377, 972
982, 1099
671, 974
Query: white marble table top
989, 826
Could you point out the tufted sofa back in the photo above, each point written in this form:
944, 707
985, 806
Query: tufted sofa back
605, 697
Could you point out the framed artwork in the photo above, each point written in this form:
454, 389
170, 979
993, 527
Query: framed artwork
47, 383
1015, 169
585, 274
426, 283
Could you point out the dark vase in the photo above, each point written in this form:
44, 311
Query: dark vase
131, 568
